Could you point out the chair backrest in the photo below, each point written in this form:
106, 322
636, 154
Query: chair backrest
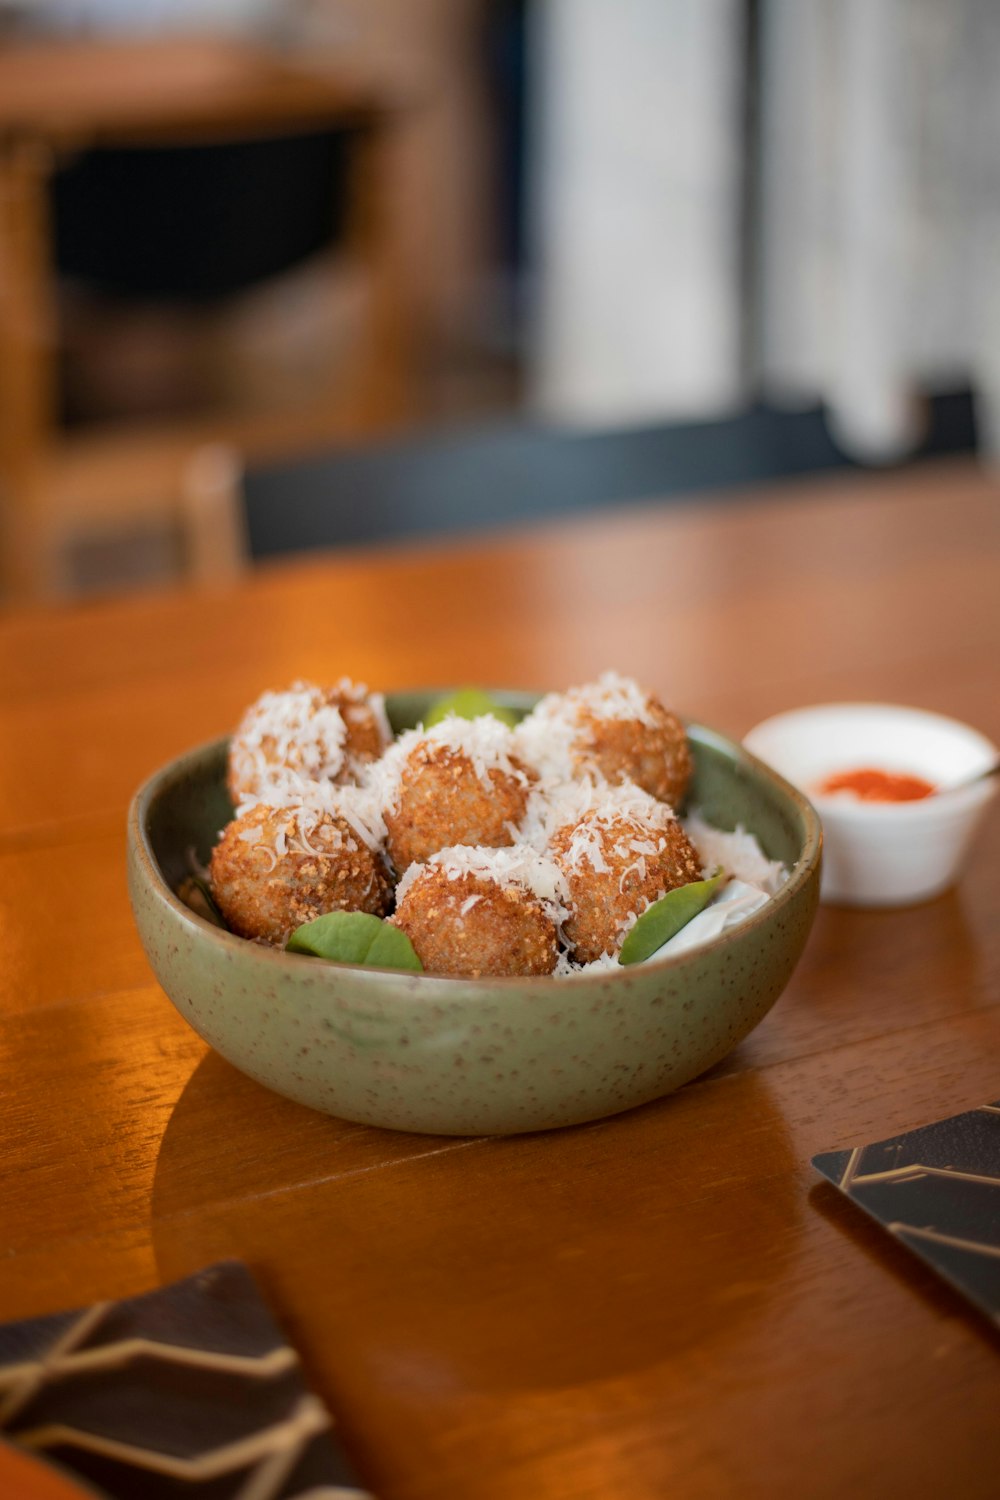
198, 222
519, 473
180, 517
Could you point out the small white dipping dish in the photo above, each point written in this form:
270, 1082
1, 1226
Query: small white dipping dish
883, 853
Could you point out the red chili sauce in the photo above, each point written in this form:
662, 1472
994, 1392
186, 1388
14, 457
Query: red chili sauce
871, 785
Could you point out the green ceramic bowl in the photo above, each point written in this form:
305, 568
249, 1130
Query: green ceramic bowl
456, 1056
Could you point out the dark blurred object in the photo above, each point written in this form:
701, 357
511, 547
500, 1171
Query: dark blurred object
191, 1390
521, 473
505, 25
194, 223
937, 1190
155, 246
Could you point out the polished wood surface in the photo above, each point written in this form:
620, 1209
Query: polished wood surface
668, 1302
25, 1477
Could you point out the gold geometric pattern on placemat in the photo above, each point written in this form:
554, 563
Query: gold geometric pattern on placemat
158, 1395
936, 1190
20, 1382
286, 1438
917, 1169
945, 1239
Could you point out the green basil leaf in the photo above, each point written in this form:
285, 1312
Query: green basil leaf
665, 917
355, 937
468, 703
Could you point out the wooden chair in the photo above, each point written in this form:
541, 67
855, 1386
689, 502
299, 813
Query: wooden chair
515, 473
183, 521
57, 99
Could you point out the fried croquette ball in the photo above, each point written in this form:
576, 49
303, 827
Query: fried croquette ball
456, 783
613, 728
275, 868
307, 734
475, 912
621, 855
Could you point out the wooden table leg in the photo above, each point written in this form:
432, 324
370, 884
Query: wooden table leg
27, 340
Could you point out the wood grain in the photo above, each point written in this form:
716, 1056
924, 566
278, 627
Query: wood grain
666, 1302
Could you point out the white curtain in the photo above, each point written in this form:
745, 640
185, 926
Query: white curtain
636, 109
875, 210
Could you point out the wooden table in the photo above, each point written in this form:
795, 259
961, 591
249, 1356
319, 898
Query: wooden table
668, 1302
57, 98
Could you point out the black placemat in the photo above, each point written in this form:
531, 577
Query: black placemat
936, 1190
188, 1391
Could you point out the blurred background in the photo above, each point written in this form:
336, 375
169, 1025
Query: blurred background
288, 273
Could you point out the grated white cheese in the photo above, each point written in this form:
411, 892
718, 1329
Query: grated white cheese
485, 742
545, 741
357, 807
287, 740
551, 809
381, 779
518, 865
310, 802
738, 852
613, 696
293, 830
290, 732
596, 839
547, 738
566, 968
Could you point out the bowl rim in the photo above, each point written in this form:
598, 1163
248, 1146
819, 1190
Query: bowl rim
945, 799
803, 869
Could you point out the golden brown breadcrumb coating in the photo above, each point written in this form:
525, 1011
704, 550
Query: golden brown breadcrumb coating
269, 874
503, 930
365, 741
655, 756
442, 800
641, 865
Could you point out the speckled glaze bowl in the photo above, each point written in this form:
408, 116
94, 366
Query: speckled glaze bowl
454, 1056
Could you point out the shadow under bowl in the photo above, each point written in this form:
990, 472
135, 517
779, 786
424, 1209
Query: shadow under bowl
455, 1056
